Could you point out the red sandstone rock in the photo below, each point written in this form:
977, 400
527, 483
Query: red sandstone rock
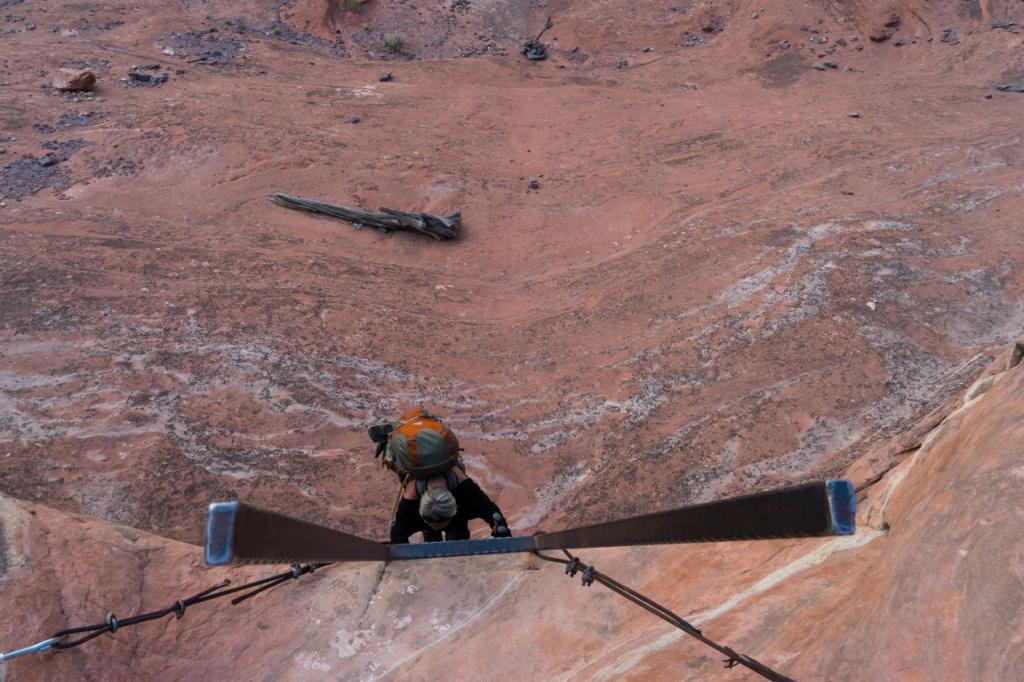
74, 80
679, 315
934, 560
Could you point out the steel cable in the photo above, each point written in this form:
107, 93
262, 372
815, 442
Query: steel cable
112, 623
590, 575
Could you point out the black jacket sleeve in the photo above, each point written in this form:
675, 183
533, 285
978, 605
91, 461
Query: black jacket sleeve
473, 502
406, 522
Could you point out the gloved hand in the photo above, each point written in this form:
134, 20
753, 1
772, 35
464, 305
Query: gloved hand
379, 434
499, 527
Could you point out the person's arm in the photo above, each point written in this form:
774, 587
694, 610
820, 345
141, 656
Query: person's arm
474, 504
406, 522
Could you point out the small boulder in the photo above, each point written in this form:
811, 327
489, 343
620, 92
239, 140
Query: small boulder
74, 80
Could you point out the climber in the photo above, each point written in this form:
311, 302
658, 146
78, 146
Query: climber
436, 493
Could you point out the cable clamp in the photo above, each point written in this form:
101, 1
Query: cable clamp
111, 620
587, 579
179, 608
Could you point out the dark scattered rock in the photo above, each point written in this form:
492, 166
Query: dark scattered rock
854, 114
693, 40
950, 36
621, 63
112, 24
79, 118
30, 175
784, 45
45, 128
1002, 23
899, 42
355, 119
714, 24
818, 66
887, 31
1011, 87
831, 65
279, 30
534, 50
534, 183
988, 96
841, 42
27, 176
64, 149
136, 76
784, 69
119, 166
202, 47
386, 77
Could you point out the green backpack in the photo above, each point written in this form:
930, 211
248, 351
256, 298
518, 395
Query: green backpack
420, 445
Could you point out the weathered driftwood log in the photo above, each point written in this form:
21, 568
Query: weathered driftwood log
438, 227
